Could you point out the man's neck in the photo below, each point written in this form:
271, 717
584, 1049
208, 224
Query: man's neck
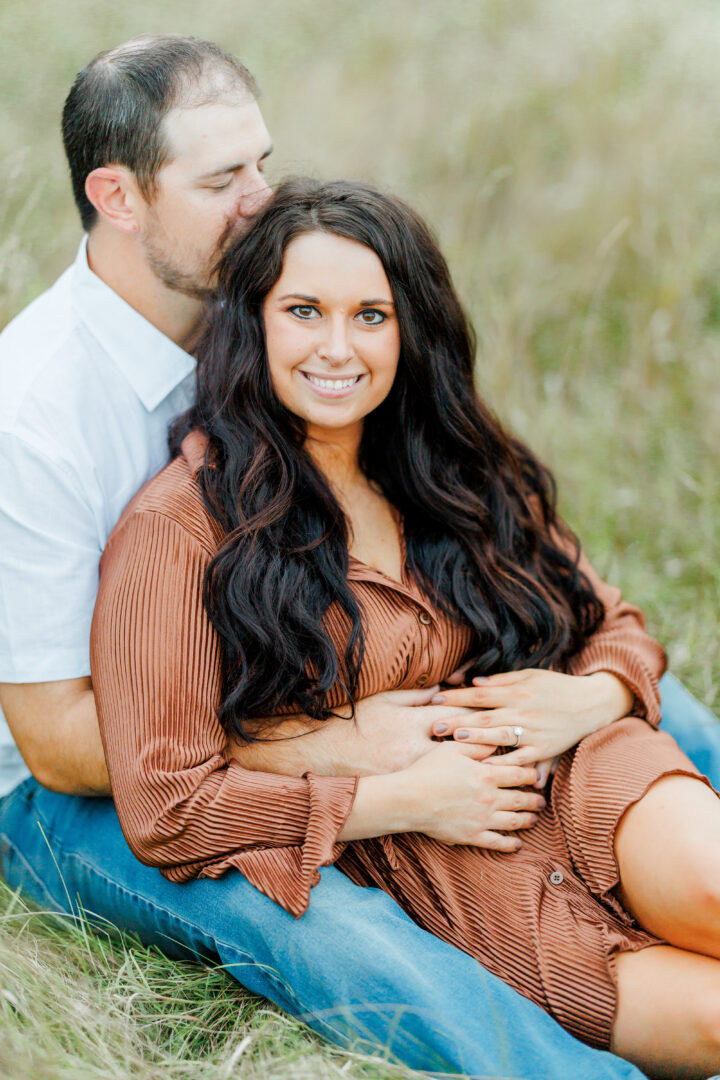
117, 260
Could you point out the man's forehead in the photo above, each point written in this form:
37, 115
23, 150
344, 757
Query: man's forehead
229, 129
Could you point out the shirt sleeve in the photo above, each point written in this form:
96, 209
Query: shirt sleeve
621, 646
184, 806
49, 555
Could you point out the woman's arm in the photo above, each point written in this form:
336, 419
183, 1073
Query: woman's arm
615, 674
188, 808
182, 804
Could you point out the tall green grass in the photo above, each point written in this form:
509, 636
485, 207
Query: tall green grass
568, 158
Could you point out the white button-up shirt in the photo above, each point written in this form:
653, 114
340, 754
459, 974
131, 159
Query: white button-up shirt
87, 390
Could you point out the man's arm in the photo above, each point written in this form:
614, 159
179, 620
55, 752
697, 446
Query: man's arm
56, 729
49, 552
390, 731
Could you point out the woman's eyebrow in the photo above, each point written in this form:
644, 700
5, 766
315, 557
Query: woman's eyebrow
315, 300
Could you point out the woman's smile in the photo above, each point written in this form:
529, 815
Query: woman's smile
332, 386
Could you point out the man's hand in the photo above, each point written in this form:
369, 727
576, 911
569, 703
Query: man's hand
449, 796
541, 712
391, 730
56, 729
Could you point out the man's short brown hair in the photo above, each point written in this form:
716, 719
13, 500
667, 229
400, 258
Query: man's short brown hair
113, 114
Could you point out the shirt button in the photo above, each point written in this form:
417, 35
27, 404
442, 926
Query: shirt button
556, 877
425, 618
422, 679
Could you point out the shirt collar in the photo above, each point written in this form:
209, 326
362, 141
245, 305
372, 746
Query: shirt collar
152, 363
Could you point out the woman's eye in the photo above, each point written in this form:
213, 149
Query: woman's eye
221, 187
371, 317
304, 311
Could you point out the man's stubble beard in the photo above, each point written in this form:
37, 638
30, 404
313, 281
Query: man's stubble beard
174, 277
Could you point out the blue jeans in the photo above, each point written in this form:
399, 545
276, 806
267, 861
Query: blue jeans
354, 967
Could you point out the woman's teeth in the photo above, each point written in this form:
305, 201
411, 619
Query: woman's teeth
331, 384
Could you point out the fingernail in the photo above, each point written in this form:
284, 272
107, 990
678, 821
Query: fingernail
462, 733
517, 847
542, 804
440, 729
437, 700
479, 680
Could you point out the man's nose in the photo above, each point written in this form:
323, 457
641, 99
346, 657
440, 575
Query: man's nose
253, 200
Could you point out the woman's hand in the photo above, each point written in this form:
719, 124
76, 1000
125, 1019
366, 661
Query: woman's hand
542, 713
449, 796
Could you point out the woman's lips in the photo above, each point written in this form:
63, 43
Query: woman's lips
328, 387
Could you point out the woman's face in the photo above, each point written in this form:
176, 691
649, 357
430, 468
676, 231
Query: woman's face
331, 332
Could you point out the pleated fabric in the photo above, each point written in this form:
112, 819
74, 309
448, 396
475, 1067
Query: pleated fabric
544, 919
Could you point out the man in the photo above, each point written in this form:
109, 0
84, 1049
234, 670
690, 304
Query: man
166, 146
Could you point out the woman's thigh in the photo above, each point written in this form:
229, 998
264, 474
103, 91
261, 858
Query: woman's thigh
668, 851
668, 1013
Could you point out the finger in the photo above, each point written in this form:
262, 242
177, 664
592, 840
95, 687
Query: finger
507, 821
472, 697
445, 718
497, 842
413, 697
513, 775
504, 678
495, 736
477, 752
463, 716
489, 696
543, 771
520, 801
458, 676
524, 755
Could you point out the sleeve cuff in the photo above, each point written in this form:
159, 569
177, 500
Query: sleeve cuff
288, 874
623, 662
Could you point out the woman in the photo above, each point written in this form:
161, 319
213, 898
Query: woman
345, 516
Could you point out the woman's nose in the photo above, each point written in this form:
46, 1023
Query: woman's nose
336, 348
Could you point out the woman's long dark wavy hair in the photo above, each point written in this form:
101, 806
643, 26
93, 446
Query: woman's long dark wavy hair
478, 508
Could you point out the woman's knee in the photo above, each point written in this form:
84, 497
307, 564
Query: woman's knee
668, 1012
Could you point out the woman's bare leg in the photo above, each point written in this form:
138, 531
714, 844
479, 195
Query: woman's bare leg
668, 1015
668, 851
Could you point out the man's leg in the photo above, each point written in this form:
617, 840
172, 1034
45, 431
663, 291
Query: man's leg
693, 727
355, 967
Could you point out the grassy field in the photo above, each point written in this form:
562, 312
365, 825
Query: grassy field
568, 158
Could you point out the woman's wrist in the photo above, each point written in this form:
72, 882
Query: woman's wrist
382, 805
612, 698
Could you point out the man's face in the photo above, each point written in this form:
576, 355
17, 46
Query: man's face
207, 191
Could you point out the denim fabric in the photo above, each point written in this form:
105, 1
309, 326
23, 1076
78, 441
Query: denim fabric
354, 968
693, 727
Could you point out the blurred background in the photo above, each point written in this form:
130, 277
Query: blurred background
567, 156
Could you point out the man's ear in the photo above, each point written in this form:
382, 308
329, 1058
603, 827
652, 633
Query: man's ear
114, 193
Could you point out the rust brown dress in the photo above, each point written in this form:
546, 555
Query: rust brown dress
544, 919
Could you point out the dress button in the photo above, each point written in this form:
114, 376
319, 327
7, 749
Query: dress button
422, 679
425, 618
556, 877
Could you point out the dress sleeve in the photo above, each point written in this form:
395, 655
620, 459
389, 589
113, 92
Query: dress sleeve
184, 806
621, 646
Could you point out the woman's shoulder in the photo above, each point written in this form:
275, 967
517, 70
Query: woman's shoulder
174, 495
